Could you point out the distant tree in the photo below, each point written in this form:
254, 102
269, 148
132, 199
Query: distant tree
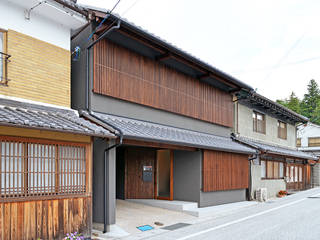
293, 103
310, 105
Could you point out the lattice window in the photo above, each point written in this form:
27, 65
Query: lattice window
298, 142
33, 168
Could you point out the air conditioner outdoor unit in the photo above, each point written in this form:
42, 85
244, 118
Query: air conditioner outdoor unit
261, 194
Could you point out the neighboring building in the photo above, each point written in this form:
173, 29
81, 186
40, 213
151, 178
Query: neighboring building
45, 147
308, 140
270, 128
173, 114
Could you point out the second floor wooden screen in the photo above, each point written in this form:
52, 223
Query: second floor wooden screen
34, 168
126, 75
282, 130
314, 142
259, 122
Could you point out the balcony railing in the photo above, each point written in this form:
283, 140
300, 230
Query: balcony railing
4, 60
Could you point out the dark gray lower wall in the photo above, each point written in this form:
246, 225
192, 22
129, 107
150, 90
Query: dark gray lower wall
99, 147
186, 175
221, 197
119, 107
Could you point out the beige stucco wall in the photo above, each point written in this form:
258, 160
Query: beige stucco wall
245, 128
37, 71
273, 186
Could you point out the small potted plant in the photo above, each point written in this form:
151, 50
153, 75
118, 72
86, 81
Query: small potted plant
74, 236
282, 193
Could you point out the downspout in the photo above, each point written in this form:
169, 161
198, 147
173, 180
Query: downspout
88, 108
87, 105
250, 175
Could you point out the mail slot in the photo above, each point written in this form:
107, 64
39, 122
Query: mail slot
147, 174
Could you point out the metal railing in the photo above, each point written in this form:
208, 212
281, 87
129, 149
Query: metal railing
4, 60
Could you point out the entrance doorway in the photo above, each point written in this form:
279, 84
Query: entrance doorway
164, 175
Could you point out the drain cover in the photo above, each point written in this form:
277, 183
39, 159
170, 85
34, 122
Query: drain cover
176, 226
145, 228
314, 197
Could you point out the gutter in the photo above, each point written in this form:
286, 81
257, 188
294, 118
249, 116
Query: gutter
93, 118
63, 3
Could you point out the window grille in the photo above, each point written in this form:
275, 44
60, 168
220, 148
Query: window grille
29, 169
282, 130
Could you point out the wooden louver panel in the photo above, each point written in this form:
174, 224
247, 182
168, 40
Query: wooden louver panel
126, 75
224, 171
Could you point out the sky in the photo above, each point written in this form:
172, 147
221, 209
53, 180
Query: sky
272, 45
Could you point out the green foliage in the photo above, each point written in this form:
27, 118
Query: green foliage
309, 106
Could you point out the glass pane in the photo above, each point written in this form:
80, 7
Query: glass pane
275, 170
263, 169
300, 174
296, 174
291, 174
270, 169
281, 170
11, 168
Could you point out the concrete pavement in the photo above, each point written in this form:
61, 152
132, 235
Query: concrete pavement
293, 217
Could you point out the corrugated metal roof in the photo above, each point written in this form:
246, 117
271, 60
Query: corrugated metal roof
21, 114
275, 149
143, 130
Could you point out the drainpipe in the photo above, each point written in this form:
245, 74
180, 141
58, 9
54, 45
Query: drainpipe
88, 108
250, 174
118, 132
87, 60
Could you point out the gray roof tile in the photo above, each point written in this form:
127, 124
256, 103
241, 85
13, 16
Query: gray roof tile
14, 113
275, 149
137, 129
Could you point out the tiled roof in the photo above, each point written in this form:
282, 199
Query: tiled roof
21, 114
275, 149
169, 45
142, 130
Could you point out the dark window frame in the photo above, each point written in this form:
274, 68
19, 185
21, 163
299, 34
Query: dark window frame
256, 128
282, 132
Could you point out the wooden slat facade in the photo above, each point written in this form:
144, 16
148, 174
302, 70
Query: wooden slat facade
46, 219
124, 74
224, 171
135, 159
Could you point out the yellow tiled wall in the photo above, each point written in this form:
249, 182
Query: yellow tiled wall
38, 71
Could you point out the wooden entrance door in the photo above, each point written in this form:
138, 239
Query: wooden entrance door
164, 175
295, 174
138, 159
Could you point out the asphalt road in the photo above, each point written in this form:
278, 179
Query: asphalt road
293, 217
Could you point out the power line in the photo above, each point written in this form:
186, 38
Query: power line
279, 66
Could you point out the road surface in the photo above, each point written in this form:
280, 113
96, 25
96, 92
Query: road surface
293, 217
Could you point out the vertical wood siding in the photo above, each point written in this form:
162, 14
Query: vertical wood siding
224, 171
135, 159
126, 75
47, 219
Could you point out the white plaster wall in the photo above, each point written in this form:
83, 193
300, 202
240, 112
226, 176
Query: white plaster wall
12, 17
273, 186
245, 128
306, 131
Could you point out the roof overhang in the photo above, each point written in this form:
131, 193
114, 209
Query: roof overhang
136, 39
263, 104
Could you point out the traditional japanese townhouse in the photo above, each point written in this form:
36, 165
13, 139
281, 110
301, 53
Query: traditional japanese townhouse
270, 128
45, 147
308, 140
172, 112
